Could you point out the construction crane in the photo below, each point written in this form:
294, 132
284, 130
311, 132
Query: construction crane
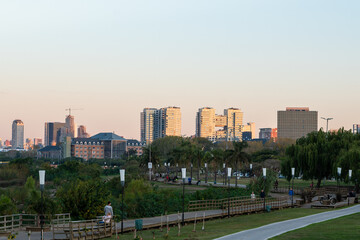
69, 109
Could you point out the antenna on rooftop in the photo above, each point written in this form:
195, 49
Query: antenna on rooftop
69, 109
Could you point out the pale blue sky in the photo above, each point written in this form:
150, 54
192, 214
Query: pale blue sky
113, 58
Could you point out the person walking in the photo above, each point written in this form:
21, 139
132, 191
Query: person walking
262, 194
291, 194
108, 209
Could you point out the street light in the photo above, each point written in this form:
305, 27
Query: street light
327, 122
224, 167
293, 177
150, 167
183, 172
350, 173
339, 173
206, 173
191, 173
264, 174
122, 180
229, 176
250, 169
42, 186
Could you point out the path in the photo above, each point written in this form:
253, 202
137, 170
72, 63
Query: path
274, 229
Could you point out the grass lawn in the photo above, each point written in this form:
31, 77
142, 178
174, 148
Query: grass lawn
220, 227
340, 228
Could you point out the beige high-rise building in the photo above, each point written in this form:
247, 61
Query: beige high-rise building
296, 122
234, 122
170, 121
159, 123
205, 123
231, 122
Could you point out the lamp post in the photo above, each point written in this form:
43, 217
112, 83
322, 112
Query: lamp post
183, 173
327, 122
264, 174
150, 168
122, 180
206, 173
42, 186
229, 176
224, 167
191, 171
292, 196
250, 170
339, 173
350, 173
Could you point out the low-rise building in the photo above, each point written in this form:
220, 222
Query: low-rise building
87, 148
135, 145
50, 152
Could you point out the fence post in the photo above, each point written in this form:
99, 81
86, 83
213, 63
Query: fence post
71, 231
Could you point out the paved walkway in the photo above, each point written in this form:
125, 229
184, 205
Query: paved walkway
275, 229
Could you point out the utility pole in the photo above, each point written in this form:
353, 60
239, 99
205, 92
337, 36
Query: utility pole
327, 122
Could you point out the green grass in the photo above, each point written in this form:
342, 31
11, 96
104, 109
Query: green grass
220, 227
341, 228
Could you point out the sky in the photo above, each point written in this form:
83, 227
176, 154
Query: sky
113, 58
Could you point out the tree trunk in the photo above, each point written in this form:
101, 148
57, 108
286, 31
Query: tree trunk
198, 169
318, 183
236, 170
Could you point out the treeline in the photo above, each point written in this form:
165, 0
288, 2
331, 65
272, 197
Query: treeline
318, 155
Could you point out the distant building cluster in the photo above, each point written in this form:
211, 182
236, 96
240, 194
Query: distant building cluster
63, 140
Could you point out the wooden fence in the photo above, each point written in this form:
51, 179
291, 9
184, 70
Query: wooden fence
10, 223
85, 229
239, 205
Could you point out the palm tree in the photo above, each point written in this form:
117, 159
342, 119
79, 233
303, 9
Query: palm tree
237, 155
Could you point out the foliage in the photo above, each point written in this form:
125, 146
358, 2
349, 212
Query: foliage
259, 183
317, 155
83, 199
7, 207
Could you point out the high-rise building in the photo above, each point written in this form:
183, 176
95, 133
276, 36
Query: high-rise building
70, 126
7, 143
356, 128
230, 124
1, 144
17, 134
38, 141
296, 122
249, 127
158, 123
169, 122
274, 134
53, 133
82, 132
205, 123
265, 133
234, 120
149, 128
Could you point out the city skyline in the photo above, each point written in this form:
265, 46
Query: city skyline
117, 58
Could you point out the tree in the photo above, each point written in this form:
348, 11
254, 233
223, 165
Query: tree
238, 155
83, 199
7, 207
315, 155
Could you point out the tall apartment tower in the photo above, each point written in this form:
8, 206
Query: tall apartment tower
234, 122
149, 125
205, 123
82, 132
70, 126
53, 133
296, 122
17, 134
356, 128
169, 122
158, 123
